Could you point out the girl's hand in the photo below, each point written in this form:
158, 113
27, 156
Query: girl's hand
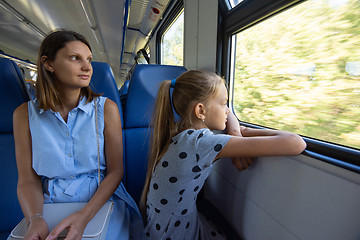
242, 163
235, 129
75, 224
37, 230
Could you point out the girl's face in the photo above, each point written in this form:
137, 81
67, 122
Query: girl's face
72, 65
217, 110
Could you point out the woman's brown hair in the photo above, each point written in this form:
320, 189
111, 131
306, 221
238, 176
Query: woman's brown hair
46, 91
191, 87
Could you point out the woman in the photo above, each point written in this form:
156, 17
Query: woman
56, 145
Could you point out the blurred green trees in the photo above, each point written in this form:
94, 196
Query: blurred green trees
300, 71
173, 42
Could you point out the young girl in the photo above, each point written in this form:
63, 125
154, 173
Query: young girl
56, 145
183, 153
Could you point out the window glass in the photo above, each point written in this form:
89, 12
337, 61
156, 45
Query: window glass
172, 43
234, 3
142, 56
299, 71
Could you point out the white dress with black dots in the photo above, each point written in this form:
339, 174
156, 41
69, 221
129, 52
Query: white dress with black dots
177, 179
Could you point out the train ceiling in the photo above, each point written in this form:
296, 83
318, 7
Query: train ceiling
115, 29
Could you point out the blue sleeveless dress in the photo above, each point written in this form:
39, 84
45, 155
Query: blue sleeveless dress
64, 154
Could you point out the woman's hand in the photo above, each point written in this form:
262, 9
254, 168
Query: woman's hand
75, 224
37, 230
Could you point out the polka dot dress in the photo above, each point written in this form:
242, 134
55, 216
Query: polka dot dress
177, 179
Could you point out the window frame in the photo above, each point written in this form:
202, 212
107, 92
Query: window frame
245, 15
174, 12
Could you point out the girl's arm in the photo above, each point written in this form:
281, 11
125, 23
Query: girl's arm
29, 188
263, 142
232, 125
233, 128
77, 222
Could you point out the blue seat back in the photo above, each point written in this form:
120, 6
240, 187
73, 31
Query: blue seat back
124, 88
143, 88
103, 81
13, 92
123, 93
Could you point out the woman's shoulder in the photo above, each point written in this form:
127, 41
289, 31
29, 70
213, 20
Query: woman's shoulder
100, 100
26, 106
21, 110
104, 101
109, 105
21, 113
103, 98
111, 112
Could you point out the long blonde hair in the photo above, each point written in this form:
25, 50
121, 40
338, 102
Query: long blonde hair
192, 86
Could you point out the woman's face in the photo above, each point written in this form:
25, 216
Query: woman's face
72, 66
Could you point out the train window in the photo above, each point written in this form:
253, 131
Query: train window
233, 3
142, 56
172, 42
299, 71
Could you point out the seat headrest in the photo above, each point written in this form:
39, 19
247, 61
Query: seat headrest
144, 84
124, 88
13, 92
103, 81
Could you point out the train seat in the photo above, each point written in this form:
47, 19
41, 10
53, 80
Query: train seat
103, 81
143, 87
13, 92
123, 93
124, 88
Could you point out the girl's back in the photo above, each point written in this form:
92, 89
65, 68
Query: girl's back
176, 182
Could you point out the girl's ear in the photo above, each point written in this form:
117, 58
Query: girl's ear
47, 63
200, 111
